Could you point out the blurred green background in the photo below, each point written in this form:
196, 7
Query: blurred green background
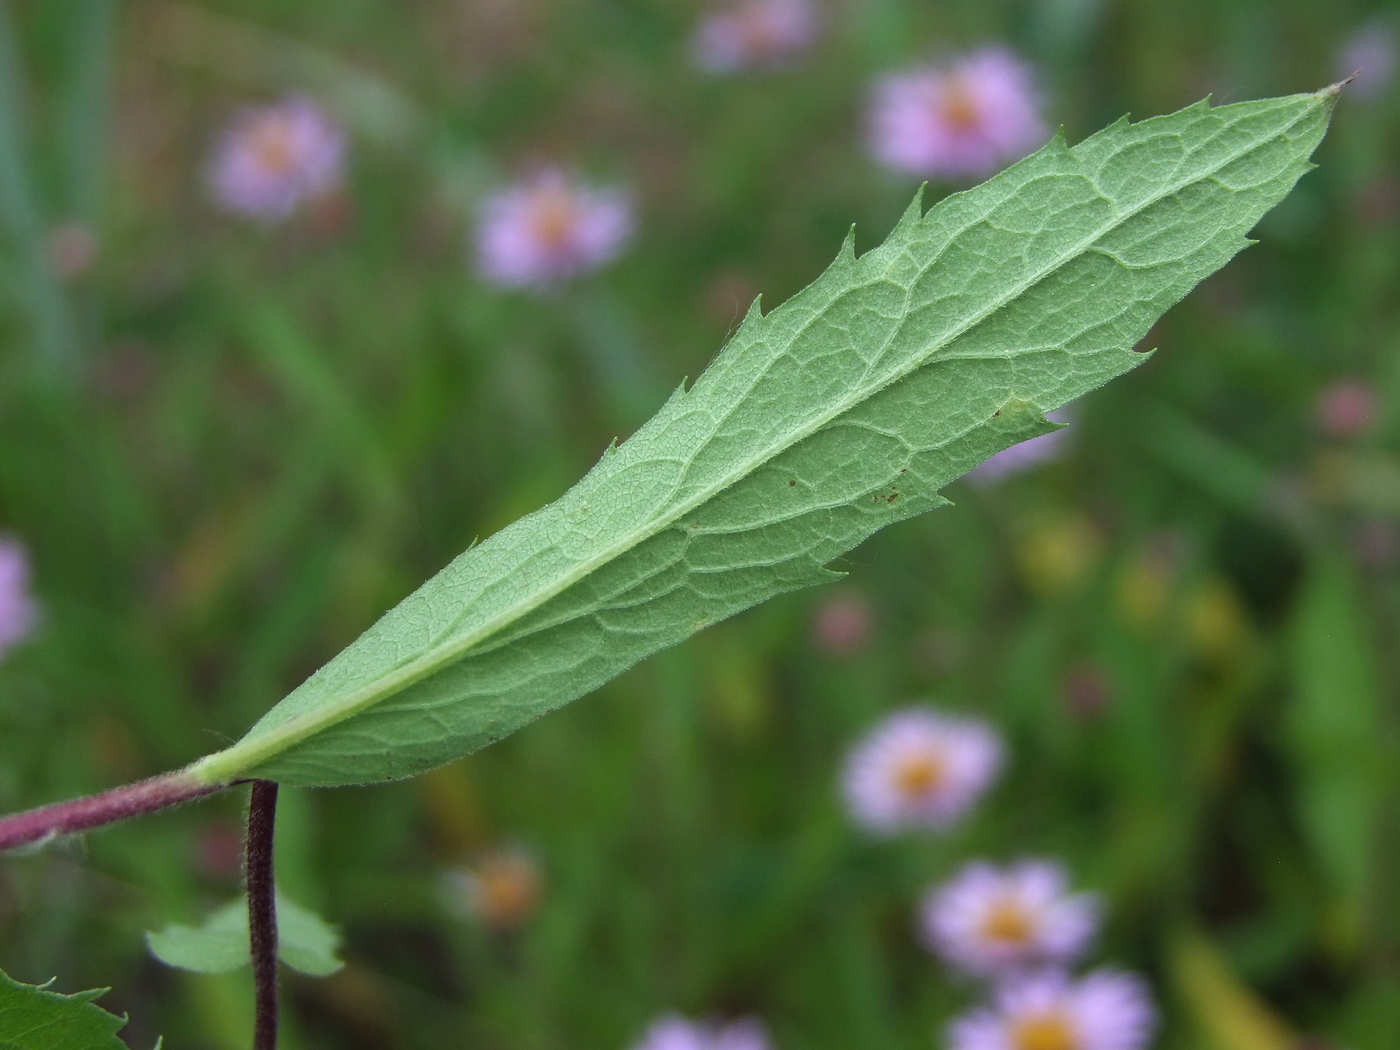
229, 447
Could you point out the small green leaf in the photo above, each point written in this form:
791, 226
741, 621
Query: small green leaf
305, 941
844, 410
34, 1018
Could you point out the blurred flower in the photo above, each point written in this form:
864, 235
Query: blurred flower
274, 158
842, 624
1055, 551
1345, 409
549, 228
72, 250
1371, 54
1216, 622
218, 850
991, 921
500, 891
1377, 202
920, 769
674, 1032
1145, 582
963, 119
1105, 1010
1027, 454
18, 611
1376, 544
1085, 691
754, 34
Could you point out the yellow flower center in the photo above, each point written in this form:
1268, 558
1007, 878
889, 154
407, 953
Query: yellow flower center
919, 776
1051, 1031
958, 105
274, 144
554, 217
761, 37
507, 889
1007, 923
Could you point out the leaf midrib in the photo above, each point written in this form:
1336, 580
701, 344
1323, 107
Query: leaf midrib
252, 751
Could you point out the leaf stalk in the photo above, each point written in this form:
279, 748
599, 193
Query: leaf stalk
108, 807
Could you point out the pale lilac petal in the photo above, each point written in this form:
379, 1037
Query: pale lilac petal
920, 769
962, 119
18, 610
754, 34
274, 158
746, 1033
674, 1032
1027, 454
1346, 408
549, 228
1370, 53
1115, 1010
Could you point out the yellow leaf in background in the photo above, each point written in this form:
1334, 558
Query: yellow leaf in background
1216, 623
1228, 1013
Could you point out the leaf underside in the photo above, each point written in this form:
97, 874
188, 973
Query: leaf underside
34, 1018
305, 941
843, 410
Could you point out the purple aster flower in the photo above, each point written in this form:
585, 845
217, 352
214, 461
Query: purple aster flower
674, 1032
1104, 1010
963, 119
1346, 408
754, 34
18, 611
1370, 53
991, 921
1025, 455
920, 769
549, 228
273, 158
843, 624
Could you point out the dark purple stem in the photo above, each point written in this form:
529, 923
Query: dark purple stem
262, 910
64, 818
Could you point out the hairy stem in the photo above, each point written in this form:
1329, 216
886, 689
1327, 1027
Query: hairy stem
262, 910
65, 818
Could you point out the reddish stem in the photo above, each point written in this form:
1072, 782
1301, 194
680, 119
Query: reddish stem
64, 818
262, 910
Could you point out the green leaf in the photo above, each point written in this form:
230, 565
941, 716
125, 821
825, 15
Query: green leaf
34, 1018
305, 941
1336, 731
842, 411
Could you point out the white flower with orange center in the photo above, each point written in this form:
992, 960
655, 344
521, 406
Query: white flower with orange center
1105, 1010
500, 891
920, 769
990, 921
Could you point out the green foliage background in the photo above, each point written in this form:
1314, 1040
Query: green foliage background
231, 448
